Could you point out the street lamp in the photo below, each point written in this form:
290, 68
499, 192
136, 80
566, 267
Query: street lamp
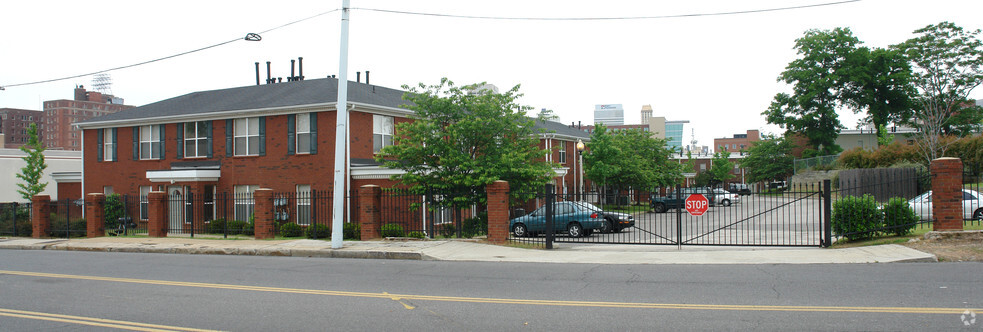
580, 154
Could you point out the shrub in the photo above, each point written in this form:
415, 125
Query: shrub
236, 226
899, 218
416, 235
113, 209
475, 226
448, 230
856, 158
392, 230
248, 228
59, 228
21, 228
290, 230
216, 226
352, 231
317, 231
15, 220
856, 217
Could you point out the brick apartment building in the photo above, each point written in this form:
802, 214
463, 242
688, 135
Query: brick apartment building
738, 143
278, 136
14, 124
59, 115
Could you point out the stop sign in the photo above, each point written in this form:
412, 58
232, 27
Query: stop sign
696, 204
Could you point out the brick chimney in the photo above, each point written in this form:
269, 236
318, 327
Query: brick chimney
80, 93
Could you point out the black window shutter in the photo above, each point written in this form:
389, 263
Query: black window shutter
160, 143
136, 143
115, 146
313, 133
262, 135
179, 152
208, 138
99, 146
291, 133
228, 137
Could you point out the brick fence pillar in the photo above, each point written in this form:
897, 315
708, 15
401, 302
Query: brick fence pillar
498, 212
370, 211
263, 210
40, 216
947, 197
95, 215
157, 223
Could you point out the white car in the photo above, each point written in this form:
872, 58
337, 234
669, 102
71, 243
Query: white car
725, 198
972, 205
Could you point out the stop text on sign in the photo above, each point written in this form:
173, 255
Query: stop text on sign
697, 204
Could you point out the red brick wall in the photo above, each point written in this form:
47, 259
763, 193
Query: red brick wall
95, 215
498, 212
275, 170
69, 190
947, 194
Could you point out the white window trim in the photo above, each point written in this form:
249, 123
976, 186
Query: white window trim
107, 145
193, 126
306, 132
382, 134
245, 136
153, 144
304, 200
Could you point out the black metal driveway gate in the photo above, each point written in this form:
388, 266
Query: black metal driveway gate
796, 216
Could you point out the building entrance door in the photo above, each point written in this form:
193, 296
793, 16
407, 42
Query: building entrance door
175, 208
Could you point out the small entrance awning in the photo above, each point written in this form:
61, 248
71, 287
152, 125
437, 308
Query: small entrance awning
184, 175
187, 172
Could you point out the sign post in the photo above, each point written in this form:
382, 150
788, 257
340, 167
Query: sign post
697, 204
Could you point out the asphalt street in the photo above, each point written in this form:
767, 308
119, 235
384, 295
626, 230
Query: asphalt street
97, 291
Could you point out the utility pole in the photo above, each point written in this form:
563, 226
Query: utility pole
341, 139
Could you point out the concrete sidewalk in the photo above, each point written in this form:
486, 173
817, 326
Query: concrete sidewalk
480, 252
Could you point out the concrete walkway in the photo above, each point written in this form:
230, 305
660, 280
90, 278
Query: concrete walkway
473, 251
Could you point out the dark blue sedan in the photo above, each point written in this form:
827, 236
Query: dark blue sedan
569, 217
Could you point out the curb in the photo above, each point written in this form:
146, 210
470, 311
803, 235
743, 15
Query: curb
261, 251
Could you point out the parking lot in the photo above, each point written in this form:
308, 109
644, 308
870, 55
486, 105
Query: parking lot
785, 220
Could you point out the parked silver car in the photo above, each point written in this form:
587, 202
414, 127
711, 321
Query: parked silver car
726, 198
972, 205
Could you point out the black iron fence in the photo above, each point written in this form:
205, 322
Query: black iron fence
875, 202
15, 219
792, 216
430, 214
66, 218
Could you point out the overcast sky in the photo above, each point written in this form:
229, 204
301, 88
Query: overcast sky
717, 71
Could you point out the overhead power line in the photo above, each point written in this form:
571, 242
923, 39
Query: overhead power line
516, 18
256, 36
249, 37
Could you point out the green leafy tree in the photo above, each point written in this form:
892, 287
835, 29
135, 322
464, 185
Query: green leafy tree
722, 168
644, 161
703, 179
947, 62
878, 82
883, 137
32, 172
769, 159
817, 79
601, 164
690, 165
630, 159
462, 139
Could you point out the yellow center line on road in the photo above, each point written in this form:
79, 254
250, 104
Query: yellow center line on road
389, 296
109, 323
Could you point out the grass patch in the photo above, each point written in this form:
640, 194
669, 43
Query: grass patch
625, 209
918, 232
